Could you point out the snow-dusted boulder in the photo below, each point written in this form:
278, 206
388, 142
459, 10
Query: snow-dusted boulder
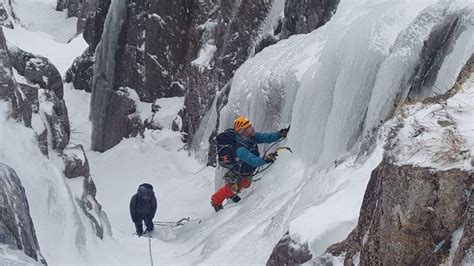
289, 252
37, 70
16, 228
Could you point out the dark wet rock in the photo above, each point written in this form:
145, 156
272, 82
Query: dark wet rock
16, 227
305, 16
82, 9
82, 70
436, 48
166, 48
289, 252
237, 26
407, 213
61, 5
75, 162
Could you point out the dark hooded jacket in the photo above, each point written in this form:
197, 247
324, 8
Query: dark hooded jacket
143, 204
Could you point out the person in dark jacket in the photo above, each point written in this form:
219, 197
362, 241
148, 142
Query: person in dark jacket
246, 151
143, 208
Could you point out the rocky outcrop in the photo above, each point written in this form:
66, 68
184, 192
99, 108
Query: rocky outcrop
82, 9
82, 70
289, 252
16, 228
408, 216
42, 89
76, 165
37, 70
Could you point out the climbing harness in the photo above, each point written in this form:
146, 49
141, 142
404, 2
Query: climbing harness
277, 150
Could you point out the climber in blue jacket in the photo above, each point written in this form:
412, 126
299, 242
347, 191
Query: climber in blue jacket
246, 151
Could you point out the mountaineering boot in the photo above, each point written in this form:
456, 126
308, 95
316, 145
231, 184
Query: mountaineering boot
235, 198
139, 228
216, 207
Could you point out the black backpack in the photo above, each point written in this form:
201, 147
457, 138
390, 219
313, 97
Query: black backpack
226, 145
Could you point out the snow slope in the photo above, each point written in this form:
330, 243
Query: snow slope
41, 16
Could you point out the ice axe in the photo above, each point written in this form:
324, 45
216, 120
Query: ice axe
277, 151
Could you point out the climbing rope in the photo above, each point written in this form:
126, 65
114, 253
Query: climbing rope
181, 222
258, 171
149, 248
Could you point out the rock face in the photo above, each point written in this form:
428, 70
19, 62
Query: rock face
236, 34
16, 228
37, 70
43, 93
37, 100
306, 16
195, 58
408, 216
82, 70
289, 252
82, 9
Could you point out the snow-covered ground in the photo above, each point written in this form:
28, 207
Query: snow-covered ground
40, 16
320, 207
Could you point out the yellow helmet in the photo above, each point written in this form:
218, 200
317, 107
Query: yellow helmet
241, 123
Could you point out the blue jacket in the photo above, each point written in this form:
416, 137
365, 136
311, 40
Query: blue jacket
248, 153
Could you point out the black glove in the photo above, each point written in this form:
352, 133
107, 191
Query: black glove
284, 132
271, 157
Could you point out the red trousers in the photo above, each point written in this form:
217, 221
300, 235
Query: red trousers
226, 191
